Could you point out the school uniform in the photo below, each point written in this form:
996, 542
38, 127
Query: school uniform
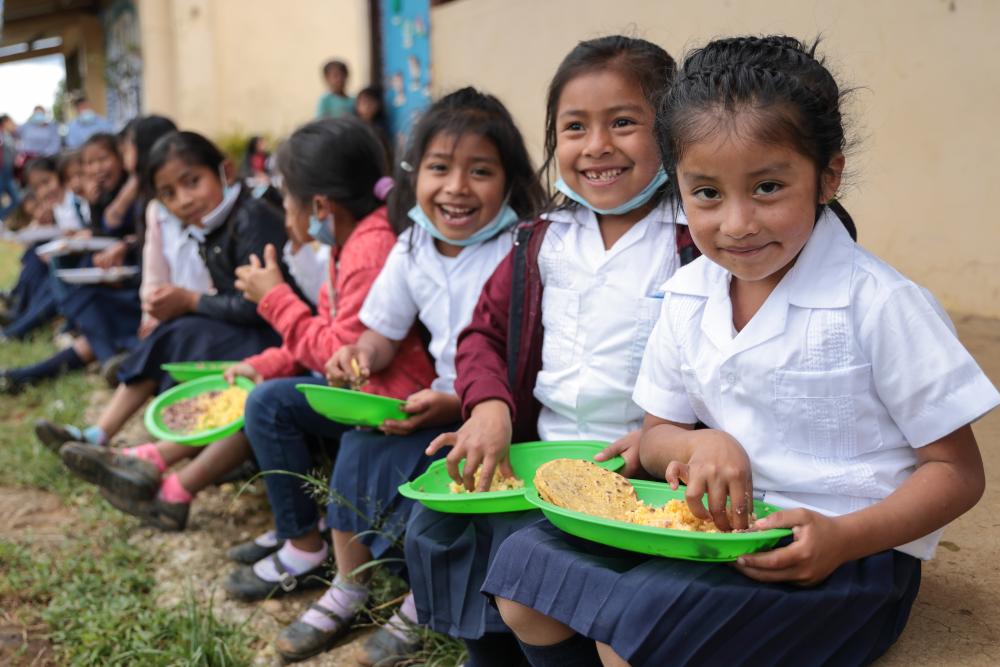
72, 213
822, 390
224, 326
417, 282
597, 307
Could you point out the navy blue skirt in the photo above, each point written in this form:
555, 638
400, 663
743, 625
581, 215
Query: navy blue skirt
659, 611
447, 556
193, 338
107, 316
369, 468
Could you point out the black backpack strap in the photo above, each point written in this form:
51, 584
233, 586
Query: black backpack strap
517, 293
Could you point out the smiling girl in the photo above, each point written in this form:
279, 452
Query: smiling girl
796, 348
556, 338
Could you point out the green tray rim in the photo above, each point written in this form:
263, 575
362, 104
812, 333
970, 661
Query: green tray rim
185, 371
306, 388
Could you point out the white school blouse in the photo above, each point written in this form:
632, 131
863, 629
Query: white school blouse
844, 370
70, 212
598, 309
417, 281
309, 267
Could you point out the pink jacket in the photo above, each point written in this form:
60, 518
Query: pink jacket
308, 341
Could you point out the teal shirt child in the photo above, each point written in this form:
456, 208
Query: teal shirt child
334, 106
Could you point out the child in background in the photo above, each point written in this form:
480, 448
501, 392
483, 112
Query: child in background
795, 347
47, 176
254, 167
336, 102
330, 170
189, 176
471, 181
575, 301
106, 179
369, 106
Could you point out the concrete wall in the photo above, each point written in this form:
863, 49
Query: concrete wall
925, 114
247, 66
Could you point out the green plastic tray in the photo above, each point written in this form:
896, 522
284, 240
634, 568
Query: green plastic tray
431, 488
185, 371
708, 547
154, 413
354, 408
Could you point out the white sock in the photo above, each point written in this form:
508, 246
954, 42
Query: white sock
343, 598
296, 561
267, 540
402, 622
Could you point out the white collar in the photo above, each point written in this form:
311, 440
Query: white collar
664, 213
217, 216
821, 277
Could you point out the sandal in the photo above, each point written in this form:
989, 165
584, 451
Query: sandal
244, 584
250, 552
384, 649
300, 641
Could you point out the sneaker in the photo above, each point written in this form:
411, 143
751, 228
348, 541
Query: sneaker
54, 436
157, 513
124, 476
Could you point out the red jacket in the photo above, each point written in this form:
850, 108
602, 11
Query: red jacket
495, 359
308, 341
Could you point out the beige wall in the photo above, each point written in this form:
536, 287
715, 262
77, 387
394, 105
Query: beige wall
247, 66
926, 113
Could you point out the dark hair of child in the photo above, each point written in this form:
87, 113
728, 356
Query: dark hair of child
67, 160
188, 147
773, 88
647, 64
108, 142
339, 158
374, 93
466, 111
144, 133
47, 163
335, 64
23, 214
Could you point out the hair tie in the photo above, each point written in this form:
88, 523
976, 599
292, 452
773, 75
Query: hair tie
383, 186
406, 166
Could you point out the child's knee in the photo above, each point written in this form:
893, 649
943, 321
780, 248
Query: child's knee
519, 618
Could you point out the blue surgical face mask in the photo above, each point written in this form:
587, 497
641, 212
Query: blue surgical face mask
88, 114
504, 219
321, 229
37, 117
635, 202
229, 190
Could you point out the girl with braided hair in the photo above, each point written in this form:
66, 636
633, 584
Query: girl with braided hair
795, 347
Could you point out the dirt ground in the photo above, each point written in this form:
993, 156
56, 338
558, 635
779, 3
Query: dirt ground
954, 620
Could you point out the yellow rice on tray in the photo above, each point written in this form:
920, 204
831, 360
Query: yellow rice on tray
498, 483
220, 408
674, 514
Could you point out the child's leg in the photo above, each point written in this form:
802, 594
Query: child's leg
211, 463
70, 359
127, 399
351, 554
608, 656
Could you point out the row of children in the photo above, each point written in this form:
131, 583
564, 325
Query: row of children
777, 366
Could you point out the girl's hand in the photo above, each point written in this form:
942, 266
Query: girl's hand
111, 256
428, 408
256, 280
817, 549
350, 365
628, 447
242, 369
169, 301
721, 468
483, 440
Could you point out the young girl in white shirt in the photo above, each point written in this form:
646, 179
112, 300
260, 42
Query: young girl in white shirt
830, 385
465, 182
556, 339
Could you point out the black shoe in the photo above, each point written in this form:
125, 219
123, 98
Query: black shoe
124, 476
250, 552
157, 513
384, 649
54, 435
244, 584
301, 641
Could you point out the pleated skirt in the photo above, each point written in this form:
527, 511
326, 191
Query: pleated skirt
447, 556
193, 338
660, 611
369, 468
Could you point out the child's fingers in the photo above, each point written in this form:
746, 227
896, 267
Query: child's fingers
783, 519
255, 261
270, 256
485, 474
612, 450
775, 561
676, 473
740, 503
443, 440
506, 470
696, 489
718, 491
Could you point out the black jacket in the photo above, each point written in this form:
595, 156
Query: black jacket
251, 225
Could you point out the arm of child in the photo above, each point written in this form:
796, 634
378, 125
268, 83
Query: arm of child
948, 481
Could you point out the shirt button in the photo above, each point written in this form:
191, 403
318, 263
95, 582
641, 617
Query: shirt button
731, 378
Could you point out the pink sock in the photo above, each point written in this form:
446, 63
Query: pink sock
171, 491
147, 452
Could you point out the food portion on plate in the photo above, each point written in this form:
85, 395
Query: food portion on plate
71, 246
498, 483
206, 411
91, 275
584, 487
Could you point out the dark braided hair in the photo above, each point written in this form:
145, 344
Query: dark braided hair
775, 83
649, 65
464, 111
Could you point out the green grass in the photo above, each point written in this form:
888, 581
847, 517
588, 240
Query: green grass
93, 590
